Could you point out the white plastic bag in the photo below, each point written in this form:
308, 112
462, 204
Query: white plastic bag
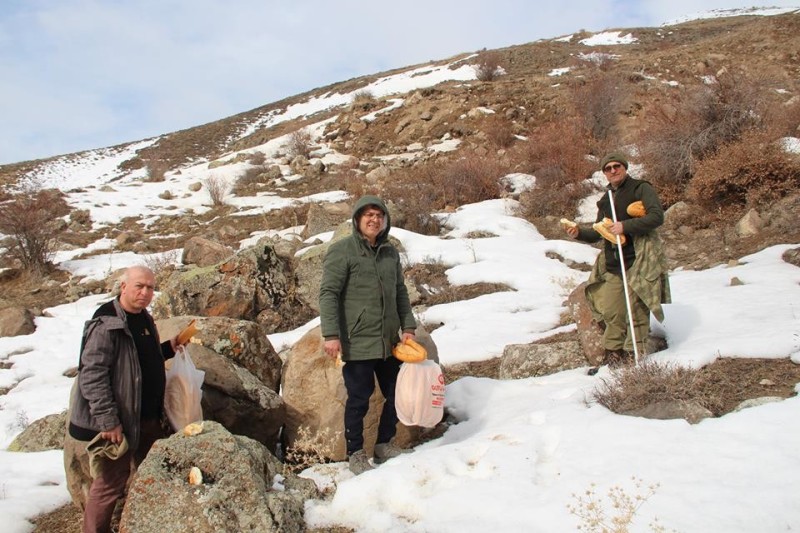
183, 392
419, 394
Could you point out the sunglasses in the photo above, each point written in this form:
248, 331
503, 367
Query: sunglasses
609, 168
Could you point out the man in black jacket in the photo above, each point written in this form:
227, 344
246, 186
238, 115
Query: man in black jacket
118, 395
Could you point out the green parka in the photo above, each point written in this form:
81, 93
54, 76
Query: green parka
363, 298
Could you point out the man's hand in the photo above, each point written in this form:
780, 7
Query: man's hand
332, 348
407, 335
113, 435
572, 231
616, 228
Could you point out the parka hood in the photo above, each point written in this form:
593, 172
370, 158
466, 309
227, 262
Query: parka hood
365, 201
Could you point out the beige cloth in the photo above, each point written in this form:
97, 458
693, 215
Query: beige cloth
100, 449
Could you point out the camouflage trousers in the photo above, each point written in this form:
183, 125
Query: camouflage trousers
611, 303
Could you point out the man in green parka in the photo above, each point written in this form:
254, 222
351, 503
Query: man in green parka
364, 306
643, 258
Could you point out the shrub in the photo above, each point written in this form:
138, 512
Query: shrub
424, 189
309, 450
499, 131
217, 188
634, 387
29, 219
299, 143
695, 126
599, 101
257, 159
364, 99
487, 67
750, 172
556, 155
617, 514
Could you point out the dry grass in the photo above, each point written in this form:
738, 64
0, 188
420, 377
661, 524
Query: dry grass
719, 387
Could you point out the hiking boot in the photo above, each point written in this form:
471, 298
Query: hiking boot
613, 358
359, 463
386, 451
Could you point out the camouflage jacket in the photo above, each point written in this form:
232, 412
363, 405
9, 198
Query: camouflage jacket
647, 277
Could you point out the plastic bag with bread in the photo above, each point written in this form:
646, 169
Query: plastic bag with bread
604, 228
183, 392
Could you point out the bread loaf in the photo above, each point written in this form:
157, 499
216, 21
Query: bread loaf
603, 229
410, 351
636, 209
567, 223
188, 332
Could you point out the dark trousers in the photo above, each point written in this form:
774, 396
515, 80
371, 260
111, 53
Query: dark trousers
359, 380
109, 485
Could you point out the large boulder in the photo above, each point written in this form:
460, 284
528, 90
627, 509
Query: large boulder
204, 252
590, 333
16, 321
308, 267
314, 392
243, 488
324, 217
256, 284
237, 399
242, 341
43, 434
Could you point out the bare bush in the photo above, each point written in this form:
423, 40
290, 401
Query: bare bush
309, 450
425, 189
299, 143
487, 67
217, 188
556, 154
257, 159
753, 171
695, 126
617, 512
499, 131
634, 387
251, 177
364, 99
29, 219
600, 101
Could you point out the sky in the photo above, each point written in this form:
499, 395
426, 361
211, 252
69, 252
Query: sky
85, 74
521, 451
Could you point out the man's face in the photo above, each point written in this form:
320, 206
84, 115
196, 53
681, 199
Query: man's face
370, 223
615, 173
137, 292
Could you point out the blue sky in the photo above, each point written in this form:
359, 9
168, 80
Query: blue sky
82, 74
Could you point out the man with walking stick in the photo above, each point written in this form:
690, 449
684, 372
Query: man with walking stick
629, 278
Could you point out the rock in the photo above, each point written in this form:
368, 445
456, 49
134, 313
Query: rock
326, 217
529, 360
241, 287
44, 434
15, 321
241, 489
755, 402
750, 224
241, 341
204, 252
672, 409
590, 333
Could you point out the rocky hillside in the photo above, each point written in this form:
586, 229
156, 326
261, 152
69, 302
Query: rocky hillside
358, 136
